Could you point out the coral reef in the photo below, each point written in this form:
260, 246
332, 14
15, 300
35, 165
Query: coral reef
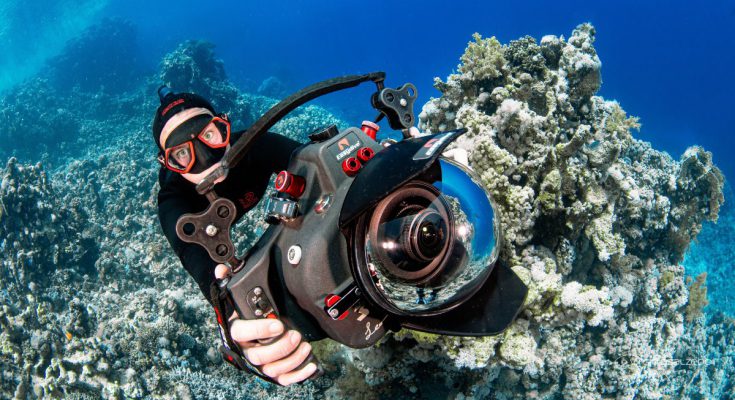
713, 252
192, 67
72, 107
272, 87
91, 64
95, 304
596, 222
697, 296
33, 30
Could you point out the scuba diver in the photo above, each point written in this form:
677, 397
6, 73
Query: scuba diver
192, 139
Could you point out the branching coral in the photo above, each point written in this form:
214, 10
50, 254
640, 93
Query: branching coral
697, 296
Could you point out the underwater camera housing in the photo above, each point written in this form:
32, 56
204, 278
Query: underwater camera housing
365, 237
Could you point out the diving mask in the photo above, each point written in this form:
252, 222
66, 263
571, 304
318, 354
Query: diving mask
196, 144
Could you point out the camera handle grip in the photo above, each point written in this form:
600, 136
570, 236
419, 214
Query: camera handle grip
310, 359
220, 298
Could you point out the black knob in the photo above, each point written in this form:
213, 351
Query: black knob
223, 212
323, 134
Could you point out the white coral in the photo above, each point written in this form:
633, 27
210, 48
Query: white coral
595, 304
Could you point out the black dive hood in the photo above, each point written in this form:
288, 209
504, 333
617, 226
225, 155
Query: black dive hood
365, 236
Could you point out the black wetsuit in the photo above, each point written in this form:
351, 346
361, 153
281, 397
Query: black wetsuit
245, 185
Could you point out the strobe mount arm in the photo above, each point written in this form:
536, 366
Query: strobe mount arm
277, 112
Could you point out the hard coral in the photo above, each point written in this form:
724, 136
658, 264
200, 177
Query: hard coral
595, 222
93, 301
590, 215
192, 67
697, 296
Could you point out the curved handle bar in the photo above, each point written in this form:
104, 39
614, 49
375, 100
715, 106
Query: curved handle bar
277, 112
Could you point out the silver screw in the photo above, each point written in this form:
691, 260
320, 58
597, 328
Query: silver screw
258, 313
258, 291
211, 230
333, 313
403, 102
294, 254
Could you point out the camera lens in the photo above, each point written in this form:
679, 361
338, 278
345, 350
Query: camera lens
427, 236
412, 234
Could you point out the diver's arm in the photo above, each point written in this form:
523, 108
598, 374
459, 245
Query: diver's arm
175, 200
277, 360
274, 151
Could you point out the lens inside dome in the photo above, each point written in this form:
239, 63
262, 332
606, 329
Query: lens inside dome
411, 229
429, 245
427, 235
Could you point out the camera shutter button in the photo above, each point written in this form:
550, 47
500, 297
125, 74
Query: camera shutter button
294, 254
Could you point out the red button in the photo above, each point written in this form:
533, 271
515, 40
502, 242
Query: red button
287, 182
370, 128
365, 154
331, 299
351, 166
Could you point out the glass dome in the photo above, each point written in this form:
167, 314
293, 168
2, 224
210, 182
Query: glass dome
429, 245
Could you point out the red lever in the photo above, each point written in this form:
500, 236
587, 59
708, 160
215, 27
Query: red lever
370, 128
287, 182
331, 299
351, 166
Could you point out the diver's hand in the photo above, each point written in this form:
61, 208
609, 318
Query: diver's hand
278, 359
415, 132
456, 154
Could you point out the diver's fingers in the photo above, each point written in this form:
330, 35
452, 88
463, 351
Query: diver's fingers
297, 376
414, 131
233, 316
245, 331
260, 355
458, 155
289, 363
221, 271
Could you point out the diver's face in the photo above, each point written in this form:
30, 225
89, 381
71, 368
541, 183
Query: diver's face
197, 178
184, 154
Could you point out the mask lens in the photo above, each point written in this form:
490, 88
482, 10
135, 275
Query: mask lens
180, 158
216, 134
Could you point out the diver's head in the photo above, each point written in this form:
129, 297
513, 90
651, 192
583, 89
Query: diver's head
191, 137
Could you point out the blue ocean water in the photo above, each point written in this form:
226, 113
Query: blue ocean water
667, 62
